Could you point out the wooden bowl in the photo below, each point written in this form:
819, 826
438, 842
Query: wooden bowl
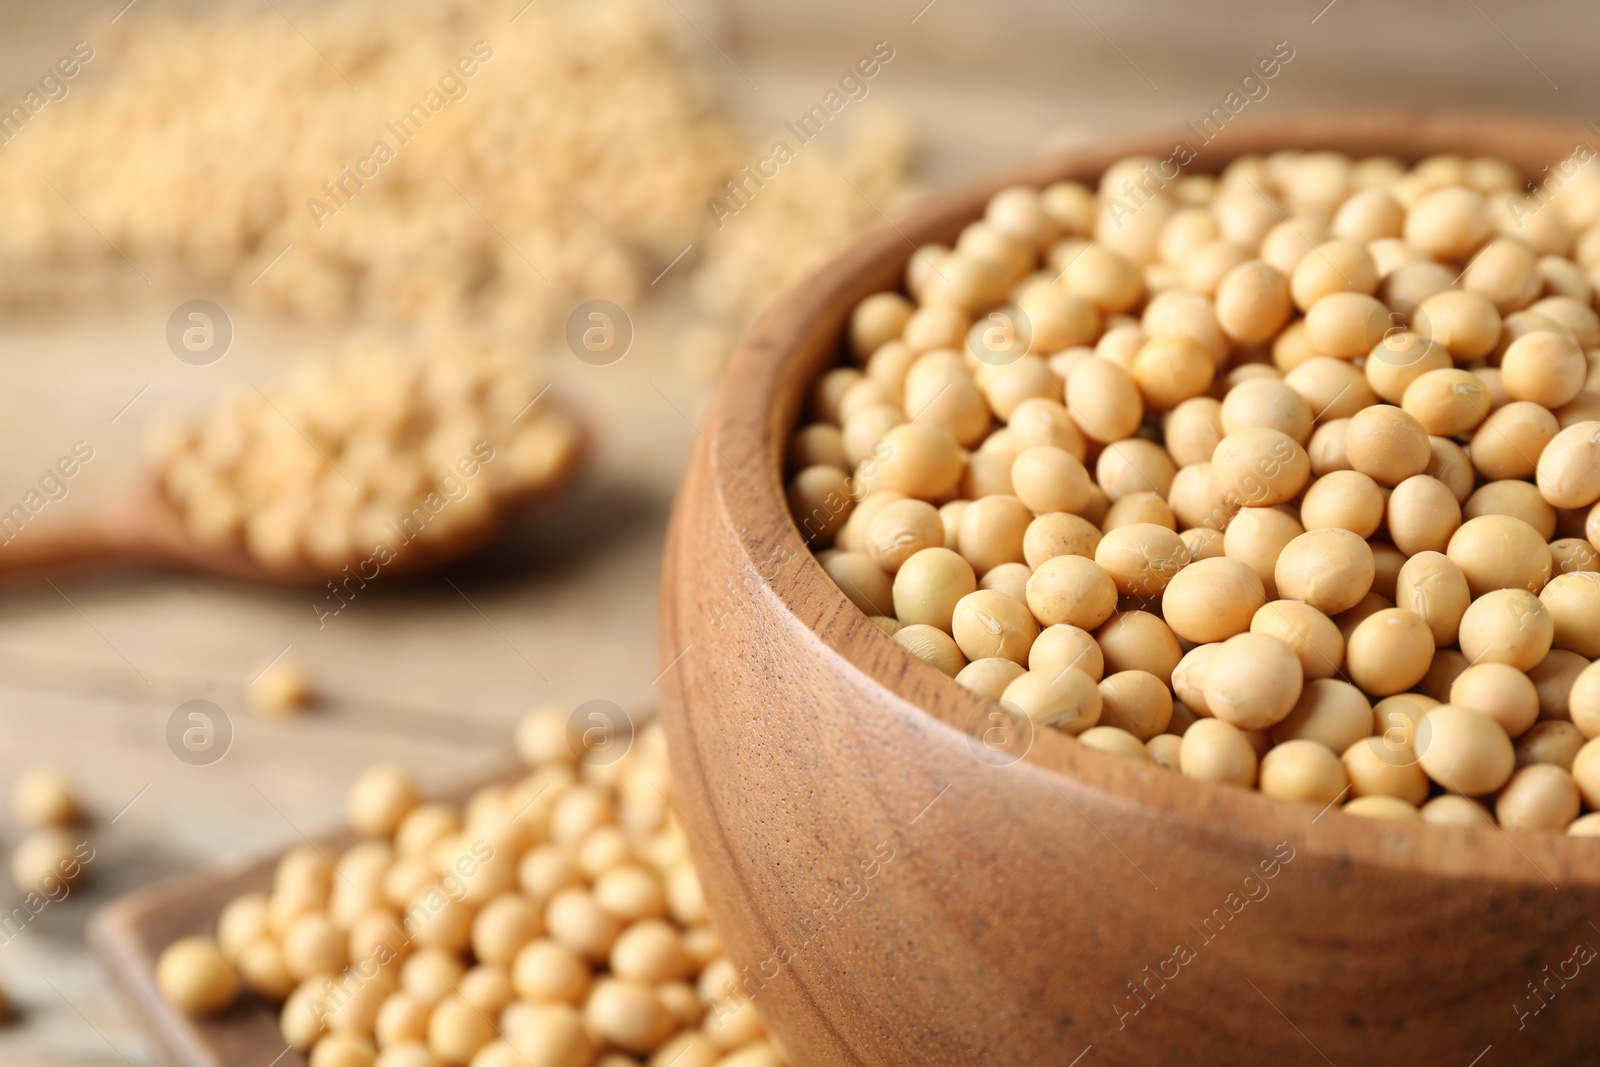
893, 898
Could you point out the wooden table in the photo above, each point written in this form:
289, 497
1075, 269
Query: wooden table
433, 676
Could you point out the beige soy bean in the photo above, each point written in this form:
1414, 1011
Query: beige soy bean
1331, 570
1134, 466
1253, 302
1335, 266
1313, 636
1399, 360
1408, 283
1104, 401
900, 530
921, 460
1302, 770
1544, 367
1584, 701
1511, 439
1193, 429
1253, 681
1141, 558
1137, 508
194, 978
1422, 515
1037, 422
1539, 797
1062, 646
988, 624
1389, 651
1573, 602
1385, 766
1387, 444
1568, 470
1266, 403
1010, 579
1059, 534
1330, 712
1212, 600
1139, 641
992, 532
1506, 273
1586, 772
1500, 552
1256, 537
1067, 699
43, 796
1432, 587
1346, 325
876, 321
1137, 702
1345, 500
1047, 479
1165, 750
1170, 369
1449, 223
1452, 809
931, 645
1216, 751
1391, 809
1463, 750
1292, 239
929, 584
1115, 741
1518, 499
1073, 590
862, 580
1555, 742
1466, 324
1334, 388
1507, 626
1260, 467
988, 678
1499, 691
1448, 403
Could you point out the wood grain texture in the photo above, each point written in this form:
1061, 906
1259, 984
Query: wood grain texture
1032, 911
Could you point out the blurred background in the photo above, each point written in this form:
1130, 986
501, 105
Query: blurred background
204, 152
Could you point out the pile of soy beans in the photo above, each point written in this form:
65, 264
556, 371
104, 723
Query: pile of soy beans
377, 453
1284, 477
554, 921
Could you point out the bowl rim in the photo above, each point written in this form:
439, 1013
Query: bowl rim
758, 403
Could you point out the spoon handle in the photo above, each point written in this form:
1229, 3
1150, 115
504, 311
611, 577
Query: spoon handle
26, 546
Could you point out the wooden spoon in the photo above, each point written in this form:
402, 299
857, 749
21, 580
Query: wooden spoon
148, 529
